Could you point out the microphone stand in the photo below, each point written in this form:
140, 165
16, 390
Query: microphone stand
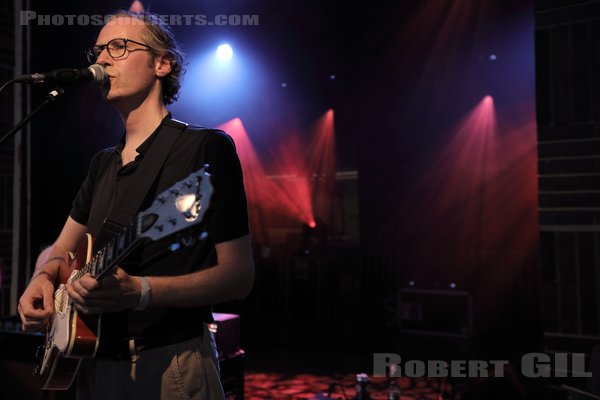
50, 97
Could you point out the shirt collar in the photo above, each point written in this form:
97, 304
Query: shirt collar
142, 148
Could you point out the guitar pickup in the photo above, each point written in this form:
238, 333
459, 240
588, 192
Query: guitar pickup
39, 352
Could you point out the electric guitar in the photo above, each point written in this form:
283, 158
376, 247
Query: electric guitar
71, 337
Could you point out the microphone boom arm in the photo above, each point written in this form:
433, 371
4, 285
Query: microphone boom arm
50, 97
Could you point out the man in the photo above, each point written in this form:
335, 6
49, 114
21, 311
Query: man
154, 342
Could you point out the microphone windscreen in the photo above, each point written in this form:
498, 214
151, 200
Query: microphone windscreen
99, 74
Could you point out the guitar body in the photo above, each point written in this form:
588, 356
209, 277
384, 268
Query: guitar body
70, 336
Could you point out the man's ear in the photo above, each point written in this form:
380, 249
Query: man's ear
162, 65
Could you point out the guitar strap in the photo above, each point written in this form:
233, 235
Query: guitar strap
148, 170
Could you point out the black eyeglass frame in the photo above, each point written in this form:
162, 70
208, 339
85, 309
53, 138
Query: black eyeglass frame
94, 52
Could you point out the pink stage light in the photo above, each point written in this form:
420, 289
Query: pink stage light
476, 204
321, 162
298, 188
272, 200
136, 6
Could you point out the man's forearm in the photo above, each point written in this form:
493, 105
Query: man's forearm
232, 278
210, 286
49, 262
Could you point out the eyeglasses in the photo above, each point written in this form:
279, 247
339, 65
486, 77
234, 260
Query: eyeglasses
116, 48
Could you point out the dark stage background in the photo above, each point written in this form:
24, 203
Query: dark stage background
432, 243
446, 181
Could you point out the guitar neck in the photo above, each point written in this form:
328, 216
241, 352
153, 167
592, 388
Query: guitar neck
176, 209
113, 252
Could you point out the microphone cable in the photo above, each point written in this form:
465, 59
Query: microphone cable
7, 83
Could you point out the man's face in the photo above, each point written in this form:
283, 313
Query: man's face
131, 77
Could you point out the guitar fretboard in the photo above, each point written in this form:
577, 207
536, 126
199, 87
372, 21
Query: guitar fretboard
112, 252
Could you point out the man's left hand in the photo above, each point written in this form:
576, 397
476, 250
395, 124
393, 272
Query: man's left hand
116, 292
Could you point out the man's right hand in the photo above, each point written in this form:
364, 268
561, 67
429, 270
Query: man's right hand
36, 306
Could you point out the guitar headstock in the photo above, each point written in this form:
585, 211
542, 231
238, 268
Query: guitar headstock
181, 206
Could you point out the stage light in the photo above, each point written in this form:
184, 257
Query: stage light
312, 224
136, 7
284, 85
493, 57
332, 77
290, 196
224, 52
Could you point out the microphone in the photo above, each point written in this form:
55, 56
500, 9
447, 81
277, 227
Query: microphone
94, 73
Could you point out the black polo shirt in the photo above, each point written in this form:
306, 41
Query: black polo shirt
228, 219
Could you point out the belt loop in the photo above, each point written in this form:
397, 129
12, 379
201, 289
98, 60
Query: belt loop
133, 351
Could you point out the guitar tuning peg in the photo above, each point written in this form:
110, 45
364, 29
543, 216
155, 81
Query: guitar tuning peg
186, 240
159, 227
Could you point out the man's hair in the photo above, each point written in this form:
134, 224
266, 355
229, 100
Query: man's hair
161, 40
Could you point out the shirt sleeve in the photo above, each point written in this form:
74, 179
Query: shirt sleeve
228, 217
80, 210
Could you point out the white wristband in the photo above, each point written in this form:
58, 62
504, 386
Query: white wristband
145, 294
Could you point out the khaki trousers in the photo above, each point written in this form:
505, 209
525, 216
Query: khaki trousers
182, 371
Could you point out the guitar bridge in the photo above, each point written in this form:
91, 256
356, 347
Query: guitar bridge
39, 354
